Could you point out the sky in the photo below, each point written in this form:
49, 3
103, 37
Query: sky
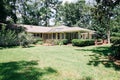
87, 1
69, 1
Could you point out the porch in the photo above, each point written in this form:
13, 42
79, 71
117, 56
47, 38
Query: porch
63, 35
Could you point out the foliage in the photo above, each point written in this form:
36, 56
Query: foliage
81, 43
116, 29
57, 42
8, 37
61, 42
115, 34
38, 12
65, 41
8, 10
38, 41
102, 14
25, 39
51, 10
31, 13
116, 49
114, 39
100, 33
74, 14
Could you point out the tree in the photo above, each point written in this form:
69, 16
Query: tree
85, 19
76, 14
50, 10
31, 12
70, 13
115, 22
56, 15
8, 10
38, 12
103, 13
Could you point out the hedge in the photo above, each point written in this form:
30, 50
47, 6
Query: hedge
81, 42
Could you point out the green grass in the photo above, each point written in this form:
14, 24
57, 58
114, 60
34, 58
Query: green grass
57, 63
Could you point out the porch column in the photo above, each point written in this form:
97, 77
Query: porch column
60, 35
82, 36
78, 35
90, 36
86, 35
42, 36
51, 35
73, 35
48, 35
56, 35
64, 35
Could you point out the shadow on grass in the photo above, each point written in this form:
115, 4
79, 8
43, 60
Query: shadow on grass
9, 47
23, 70
87, 78
101, 56
1, 48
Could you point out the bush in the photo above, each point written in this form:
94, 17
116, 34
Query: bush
8, 37
116, 48
58, 42
61, 42
26, 39
13, 37
81, 43
114, 39
65, 41
37, 40
40, 42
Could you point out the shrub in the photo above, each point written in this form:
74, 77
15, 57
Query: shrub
65, 41
81, 43
114, 39
25, 39
116, 48
8, 37
57, 42
37, 40
40, 42
61, 42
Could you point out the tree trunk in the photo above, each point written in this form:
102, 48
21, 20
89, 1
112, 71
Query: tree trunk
108, 36
46, 17
108, 30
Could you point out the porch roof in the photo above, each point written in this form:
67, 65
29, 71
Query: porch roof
57, 29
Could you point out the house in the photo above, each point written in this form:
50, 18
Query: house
59, 32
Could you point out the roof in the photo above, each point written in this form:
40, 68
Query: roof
36, 29
60, 29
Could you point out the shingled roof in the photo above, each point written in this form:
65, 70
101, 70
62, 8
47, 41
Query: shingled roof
60, 29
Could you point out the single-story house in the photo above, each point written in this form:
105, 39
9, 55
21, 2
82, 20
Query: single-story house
59, 32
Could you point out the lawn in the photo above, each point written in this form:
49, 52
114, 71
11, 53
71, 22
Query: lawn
57, 63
